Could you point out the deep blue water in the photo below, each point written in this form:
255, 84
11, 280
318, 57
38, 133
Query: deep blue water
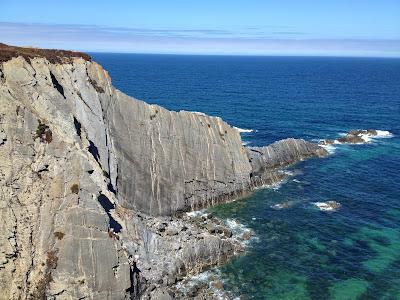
301, 252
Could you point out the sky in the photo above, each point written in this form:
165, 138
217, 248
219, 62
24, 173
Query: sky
235, 27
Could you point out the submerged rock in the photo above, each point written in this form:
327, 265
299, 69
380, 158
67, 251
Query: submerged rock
328, 206
351, 139
327, 142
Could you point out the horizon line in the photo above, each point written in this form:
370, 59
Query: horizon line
238, 54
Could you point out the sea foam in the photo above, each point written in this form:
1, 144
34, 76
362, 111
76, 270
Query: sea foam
366, 137
328, 206
241, 130
240, 231
197, 213
383, 134
330, 148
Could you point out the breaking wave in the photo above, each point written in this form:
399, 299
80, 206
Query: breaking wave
240, 232
241, 130
328, 206
197, 213
330, 148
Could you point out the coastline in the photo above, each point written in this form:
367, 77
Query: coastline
104, 189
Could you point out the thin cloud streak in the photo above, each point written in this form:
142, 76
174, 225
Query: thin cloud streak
191, 41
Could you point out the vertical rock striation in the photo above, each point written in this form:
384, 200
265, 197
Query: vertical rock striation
92, 182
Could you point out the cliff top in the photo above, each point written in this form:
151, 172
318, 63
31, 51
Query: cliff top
52, 55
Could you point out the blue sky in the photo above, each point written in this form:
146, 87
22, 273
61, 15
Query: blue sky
244, 27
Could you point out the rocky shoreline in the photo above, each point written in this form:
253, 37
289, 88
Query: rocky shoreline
96, 185
358, 136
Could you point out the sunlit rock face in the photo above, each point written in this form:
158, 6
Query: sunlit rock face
92, 182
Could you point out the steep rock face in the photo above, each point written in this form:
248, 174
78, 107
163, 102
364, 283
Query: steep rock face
173, 161
86, 172
164, 161
53, 230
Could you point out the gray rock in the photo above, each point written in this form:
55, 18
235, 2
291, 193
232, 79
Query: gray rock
71, 202
161, 295
266, 160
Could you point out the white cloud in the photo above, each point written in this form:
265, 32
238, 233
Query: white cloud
249, 41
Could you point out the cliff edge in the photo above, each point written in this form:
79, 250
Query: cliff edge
94, 183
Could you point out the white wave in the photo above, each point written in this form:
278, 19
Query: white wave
208, 278
274, 186
383, 134
284, 205
241, 130
328, 206
240, 232
336, 142
296, 180
366, 137
330, 148
279, 206
380, 134
245, 143
288, 172
235, 226
197, 213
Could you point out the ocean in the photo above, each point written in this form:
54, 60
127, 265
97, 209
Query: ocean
299, 251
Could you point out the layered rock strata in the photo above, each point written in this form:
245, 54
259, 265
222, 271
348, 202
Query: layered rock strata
94, 183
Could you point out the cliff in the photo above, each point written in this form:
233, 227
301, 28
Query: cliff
94, 183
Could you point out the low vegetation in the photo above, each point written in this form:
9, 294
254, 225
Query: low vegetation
54, 56
75, 188
44, 281
59, 235
44, 133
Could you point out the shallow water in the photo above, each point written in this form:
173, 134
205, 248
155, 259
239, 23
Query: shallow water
301, 252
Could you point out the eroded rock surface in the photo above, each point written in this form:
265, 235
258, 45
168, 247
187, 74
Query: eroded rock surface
266, 162
93, 183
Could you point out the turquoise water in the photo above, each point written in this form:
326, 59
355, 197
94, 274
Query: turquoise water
300, 252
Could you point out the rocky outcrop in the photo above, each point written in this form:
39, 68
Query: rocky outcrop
266, 162
358, 136
93, 183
